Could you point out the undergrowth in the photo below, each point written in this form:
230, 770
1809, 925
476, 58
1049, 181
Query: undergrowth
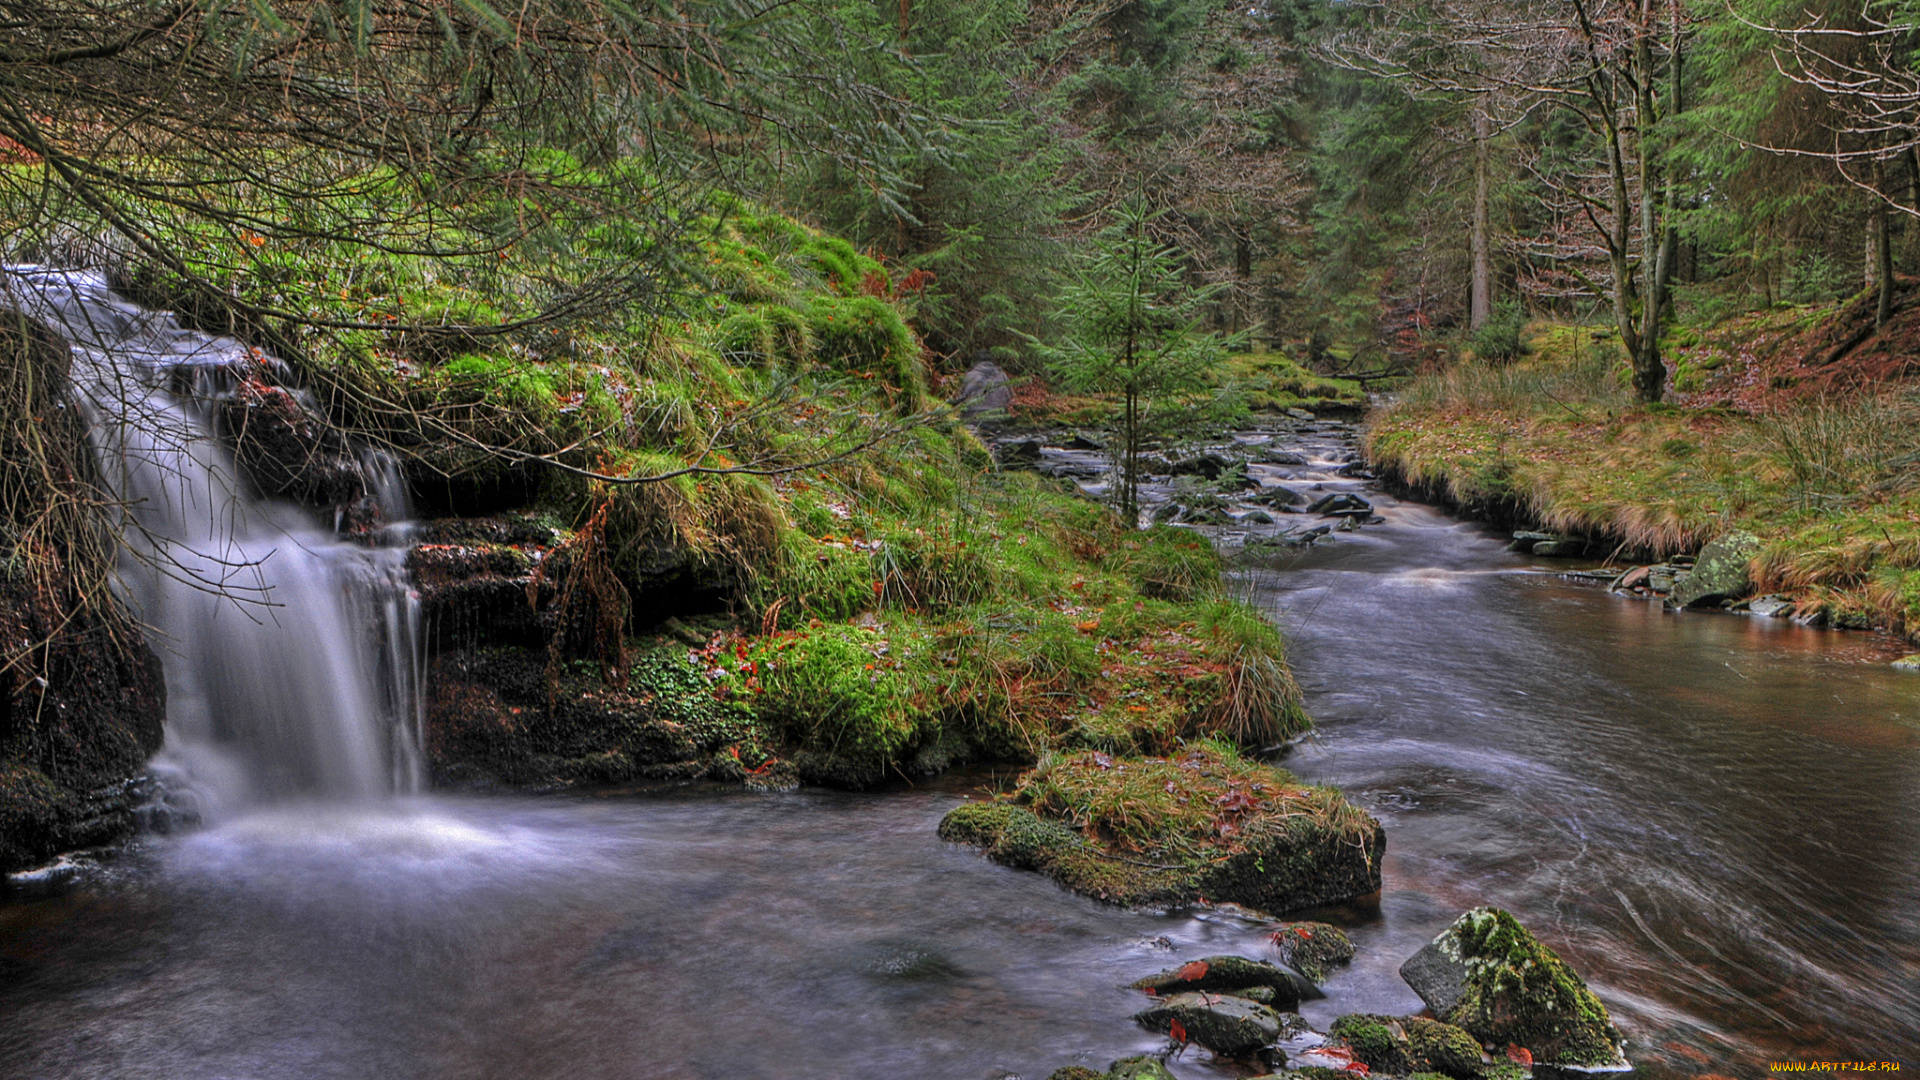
1829, 482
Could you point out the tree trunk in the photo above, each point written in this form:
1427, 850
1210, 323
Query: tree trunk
1882, 248
1480, 307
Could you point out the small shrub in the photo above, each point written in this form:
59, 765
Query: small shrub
1503, 338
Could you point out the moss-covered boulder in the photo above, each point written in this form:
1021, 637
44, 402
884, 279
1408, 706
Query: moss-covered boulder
1722, 572
1076, 1072
1312, 948
1410, 1046
1227, 1025
1203, 824
1487, 974
1233, 974
1139, 1067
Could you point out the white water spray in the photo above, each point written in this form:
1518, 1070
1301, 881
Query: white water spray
293, 659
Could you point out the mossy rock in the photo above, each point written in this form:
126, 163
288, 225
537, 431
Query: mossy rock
1442, 1048
1291, 848
1723, 572
1487, 974
1378, 1042
1076, 1072
1311, 948
1139, 1067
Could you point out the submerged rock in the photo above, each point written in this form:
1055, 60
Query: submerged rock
1227, 1025
1722, 572
1487, 974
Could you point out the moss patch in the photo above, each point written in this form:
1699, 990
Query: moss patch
1160, 831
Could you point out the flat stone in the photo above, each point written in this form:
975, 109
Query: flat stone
1300, 414
1633, 579
1771, 607
1908, 663
1228, 1026
1340, 503
1438, 977
1312, 947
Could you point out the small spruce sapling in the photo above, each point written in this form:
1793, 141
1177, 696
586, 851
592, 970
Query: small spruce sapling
1132, 333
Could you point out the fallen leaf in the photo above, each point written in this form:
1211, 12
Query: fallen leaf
1519, 1055
1192, 971
1177, 1032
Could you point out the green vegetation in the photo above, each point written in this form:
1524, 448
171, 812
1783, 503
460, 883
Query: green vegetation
1158, 830
1821, 473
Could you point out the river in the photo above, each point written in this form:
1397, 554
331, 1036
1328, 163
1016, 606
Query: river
1713, 817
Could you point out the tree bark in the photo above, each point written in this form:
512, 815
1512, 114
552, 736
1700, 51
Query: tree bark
1480, 306
1882, 247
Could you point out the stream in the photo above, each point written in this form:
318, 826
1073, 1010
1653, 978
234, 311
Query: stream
1713, 817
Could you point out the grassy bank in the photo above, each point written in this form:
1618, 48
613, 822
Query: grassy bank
1766, 433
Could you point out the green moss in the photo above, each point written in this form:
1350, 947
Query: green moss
1442, 1048
1518, 991
1374, 1041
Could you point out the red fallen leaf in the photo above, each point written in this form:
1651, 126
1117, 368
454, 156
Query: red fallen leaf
1192, 971
1177, 1031
1519, 1055
1358, 1068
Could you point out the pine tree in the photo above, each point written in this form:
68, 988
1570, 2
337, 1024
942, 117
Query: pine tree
1131, 322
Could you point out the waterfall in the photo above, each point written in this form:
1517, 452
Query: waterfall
293, 657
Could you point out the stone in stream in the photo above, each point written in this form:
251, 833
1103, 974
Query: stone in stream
1486, 973
1282, 457
1232, 974
1771, 607
1312, 947
1410, 1045
1560, 549
1206, 465
985, 391
1635, 578
1300, 414
1256, 517
1908, 663
1721, 573
1020, 455
1341, 503
1228, 1026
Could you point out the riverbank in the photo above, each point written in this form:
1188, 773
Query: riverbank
1765, 436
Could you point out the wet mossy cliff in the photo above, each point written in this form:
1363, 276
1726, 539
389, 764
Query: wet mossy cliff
663, 551
81, 697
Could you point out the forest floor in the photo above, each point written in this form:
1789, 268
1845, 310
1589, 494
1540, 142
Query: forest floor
1799, 425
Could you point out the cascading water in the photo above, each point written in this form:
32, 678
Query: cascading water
292, 657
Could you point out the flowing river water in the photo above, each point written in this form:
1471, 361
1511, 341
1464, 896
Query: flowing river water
1713, 817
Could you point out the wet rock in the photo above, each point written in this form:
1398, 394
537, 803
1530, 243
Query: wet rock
1341, 503
1229, 973
1283, 457
1300, 414
1210, 466
986, 392
1487, 974
1412, 1045
1139, 1067
1083, 442
1908, 663
1560, 549
1661, 579
1166, 512
1020, 455
87, 706
1277, 496
1771, 607
1635, 578
288, 450
1256, 517
1229, 1026
1721, 573
1311, 948
1355, 469
1076, 1072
